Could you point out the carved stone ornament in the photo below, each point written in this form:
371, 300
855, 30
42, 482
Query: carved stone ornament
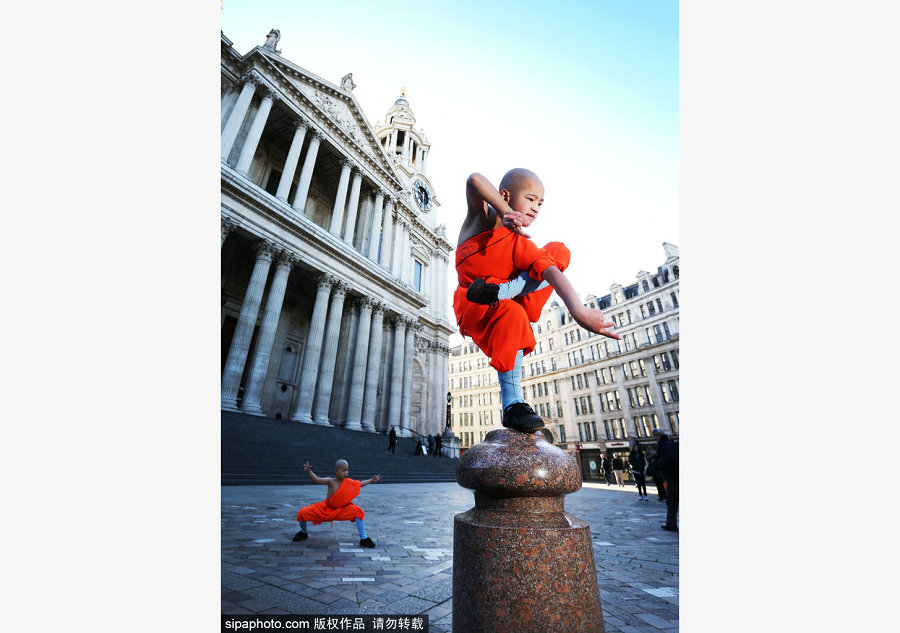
365, 302
378, 307
441, 230
341, 288
347, 82
253, 77
340, 116
327, 280
287, 258
272, 40
265, 250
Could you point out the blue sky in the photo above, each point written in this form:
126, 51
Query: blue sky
583, 93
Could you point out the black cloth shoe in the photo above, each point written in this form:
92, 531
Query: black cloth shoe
366, 542
668, 529
300, 536
521, 417
480, 291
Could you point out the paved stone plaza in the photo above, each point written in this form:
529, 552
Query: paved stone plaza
410, 569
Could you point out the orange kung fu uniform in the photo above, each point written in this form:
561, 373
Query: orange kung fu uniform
337, 507
498, 255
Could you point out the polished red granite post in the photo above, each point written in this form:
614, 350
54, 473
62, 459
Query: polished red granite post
520, 561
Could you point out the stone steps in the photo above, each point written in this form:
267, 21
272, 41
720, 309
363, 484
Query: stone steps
264, 451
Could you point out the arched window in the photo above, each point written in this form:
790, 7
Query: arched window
675, 271
646, 286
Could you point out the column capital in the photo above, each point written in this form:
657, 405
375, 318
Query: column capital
347, 163
266, 250
361, 301
287, 259
317, 134
389, 199
269, 93
340, 288
253, 77
378, 307
411, 321
229, 224
327, 280
301, 122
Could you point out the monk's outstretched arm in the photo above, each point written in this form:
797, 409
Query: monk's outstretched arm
372, 480
585, 317
315, 478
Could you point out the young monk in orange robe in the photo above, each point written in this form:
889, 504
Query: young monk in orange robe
505, 280
336, 506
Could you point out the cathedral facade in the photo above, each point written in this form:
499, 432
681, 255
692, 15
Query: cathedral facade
334, 270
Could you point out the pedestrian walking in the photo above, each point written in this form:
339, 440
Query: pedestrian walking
392, 441
607, 468
637, 461
619, 468
430, 443
653, 471
438, 446
667, 463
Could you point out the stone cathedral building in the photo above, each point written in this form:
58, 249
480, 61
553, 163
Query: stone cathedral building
334, 271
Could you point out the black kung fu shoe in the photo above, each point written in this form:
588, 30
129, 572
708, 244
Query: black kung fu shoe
366, 542
300, 536
519, 416
481, 292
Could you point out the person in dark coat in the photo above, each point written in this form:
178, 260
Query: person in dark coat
667, 463
638, 463
608, 468
653, 471
392, 440
430, 443
438, 446
619, 470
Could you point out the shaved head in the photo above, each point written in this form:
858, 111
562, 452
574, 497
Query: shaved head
516, 179
341, 462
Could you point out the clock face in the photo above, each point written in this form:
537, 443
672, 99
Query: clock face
423, 197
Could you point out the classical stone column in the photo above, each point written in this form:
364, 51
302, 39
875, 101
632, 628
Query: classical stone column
243, 333
353, 207
424, 160
228, 225
238, 112
361, 243
376, 225
340, 200
397, 372
400, 238
436, 394
306, 172
411, 329
385, 258
254, 134
357, 386
310, 369
329, 354
293, 157
372, 366
228, 101
340, 401
259, 366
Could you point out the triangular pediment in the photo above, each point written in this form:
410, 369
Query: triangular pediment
331, 104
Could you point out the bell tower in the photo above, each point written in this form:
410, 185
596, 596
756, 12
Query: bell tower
407, 148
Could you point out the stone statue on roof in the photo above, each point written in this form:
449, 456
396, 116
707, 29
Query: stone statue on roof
272, 40
347, 82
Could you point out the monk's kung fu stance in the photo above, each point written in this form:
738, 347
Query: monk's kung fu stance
336, 506
505, 279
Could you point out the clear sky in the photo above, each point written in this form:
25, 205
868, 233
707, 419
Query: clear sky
583, 93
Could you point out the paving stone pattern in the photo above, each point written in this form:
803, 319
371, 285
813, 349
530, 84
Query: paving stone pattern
264, 572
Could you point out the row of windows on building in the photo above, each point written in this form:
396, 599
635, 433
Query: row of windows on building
485, 418
470, 382
649, 309
630, 342
480, 399
642, 426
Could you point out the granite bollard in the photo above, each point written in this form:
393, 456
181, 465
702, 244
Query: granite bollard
520, 561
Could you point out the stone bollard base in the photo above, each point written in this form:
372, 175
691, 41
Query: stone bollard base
524, 572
